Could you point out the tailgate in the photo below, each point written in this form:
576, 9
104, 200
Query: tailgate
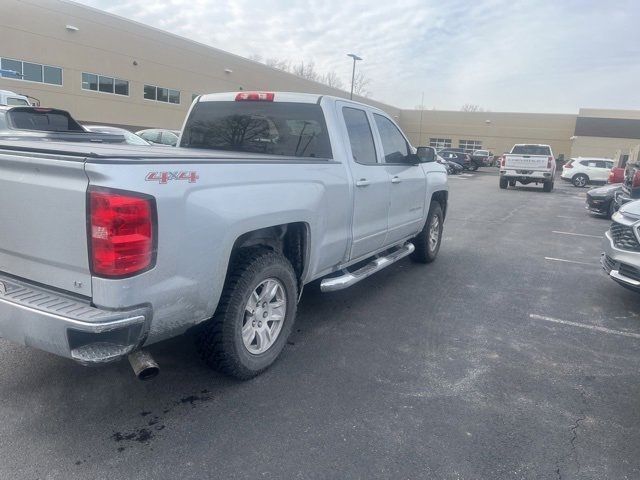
43, 220
526, 162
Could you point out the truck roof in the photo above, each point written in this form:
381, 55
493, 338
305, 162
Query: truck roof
294, 97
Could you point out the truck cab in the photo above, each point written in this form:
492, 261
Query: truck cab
10, 98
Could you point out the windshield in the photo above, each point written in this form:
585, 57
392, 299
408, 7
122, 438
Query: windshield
531, 150
283, 128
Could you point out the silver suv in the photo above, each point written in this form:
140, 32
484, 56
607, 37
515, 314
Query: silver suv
621, 257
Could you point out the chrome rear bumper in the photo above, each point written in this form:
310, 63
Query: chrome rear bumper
68, 326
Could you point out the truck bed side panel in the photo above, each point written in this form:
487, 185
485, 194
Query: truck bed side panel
199, 222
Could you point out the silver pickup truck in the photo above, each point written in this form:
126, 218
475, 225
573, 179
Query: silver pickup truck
105, 249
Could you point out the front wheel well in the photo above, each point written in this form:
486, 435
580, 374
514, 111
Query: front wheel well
442, 197
290, 239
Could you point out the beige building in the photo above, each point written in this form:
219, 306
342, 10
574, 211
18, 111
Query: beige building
109, 70
495, 131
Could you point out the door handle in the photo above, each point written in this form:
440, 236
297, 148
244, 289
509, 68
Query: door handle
396, 179
363, 182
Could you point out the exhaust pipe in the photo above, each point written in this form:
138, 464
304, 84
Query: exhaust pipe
143, 364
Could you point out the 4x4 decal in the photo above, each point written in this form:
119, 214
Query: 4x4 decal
165, 177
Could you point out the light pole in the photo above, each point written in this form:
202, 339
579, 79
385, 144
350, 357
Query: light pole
353, 73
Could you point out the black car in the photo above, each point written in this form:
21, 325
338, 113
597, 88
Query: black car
51, 124
461, 158
601, 200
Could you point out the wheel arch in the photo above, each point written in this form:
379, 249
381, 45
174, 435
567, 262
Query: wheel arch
290, 239
442, 197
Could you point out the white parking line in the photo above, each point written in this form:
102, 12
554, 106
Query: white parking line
564, 216
577, 234
456, 177
595, 328
571, 261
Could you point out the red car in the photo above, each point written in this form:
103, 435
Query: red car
616, 175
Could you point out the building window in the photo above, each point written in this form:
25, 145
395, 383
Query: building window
440, 142
104, 84
161, 94
470, 146
30, 72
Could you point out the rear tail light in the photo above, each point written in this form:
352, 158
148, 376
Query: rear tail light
255, 97
636, 179
122, 233
549, 160
503, 161
612, 177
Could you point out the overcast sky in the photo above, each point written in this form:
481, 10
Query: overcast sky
504, 55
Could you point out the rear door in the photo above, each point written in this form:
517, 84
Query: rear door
371, 183
408, 182
43, 235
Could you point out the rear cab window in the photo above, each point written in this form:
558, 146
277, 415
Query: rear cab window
531, 150
43, 119
17, 101
275, 128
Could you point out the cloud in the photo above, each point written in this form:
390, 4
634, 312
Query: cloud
536, 56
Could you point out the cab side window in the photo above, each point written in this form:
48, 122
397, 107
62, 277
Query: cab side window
394, 145
360, 136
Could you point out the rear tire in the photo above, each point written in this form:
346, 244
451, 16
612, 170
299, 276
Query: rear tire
428, 241
512, 183
580, 180
473, 167
220, 341
547, 186
503, 183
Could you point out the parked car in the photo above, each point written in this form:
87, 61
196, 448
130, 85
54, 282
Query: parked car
462, 159
427, 153
160, 136
453, 168
10, 98
601, 200
50, 124
482, 158
528, 163
616, 175
129, 137
117, 247
631, 185
582, 171
621, 257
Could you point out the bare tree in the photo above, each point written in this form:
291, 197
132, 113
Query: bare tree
307, 71
332, 80
360, 83
284, 65
472, 107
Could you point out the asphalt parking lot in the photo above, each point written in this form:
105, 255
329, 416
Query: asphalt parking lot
512, 356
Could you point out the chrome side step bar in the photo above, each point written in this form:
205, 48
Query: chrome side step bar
351, 278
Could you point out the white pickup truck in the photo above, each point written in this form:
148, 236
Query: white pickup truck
527, 164
105, 249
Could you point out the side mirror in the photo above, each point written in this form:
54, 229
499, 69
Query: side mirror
426, 154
